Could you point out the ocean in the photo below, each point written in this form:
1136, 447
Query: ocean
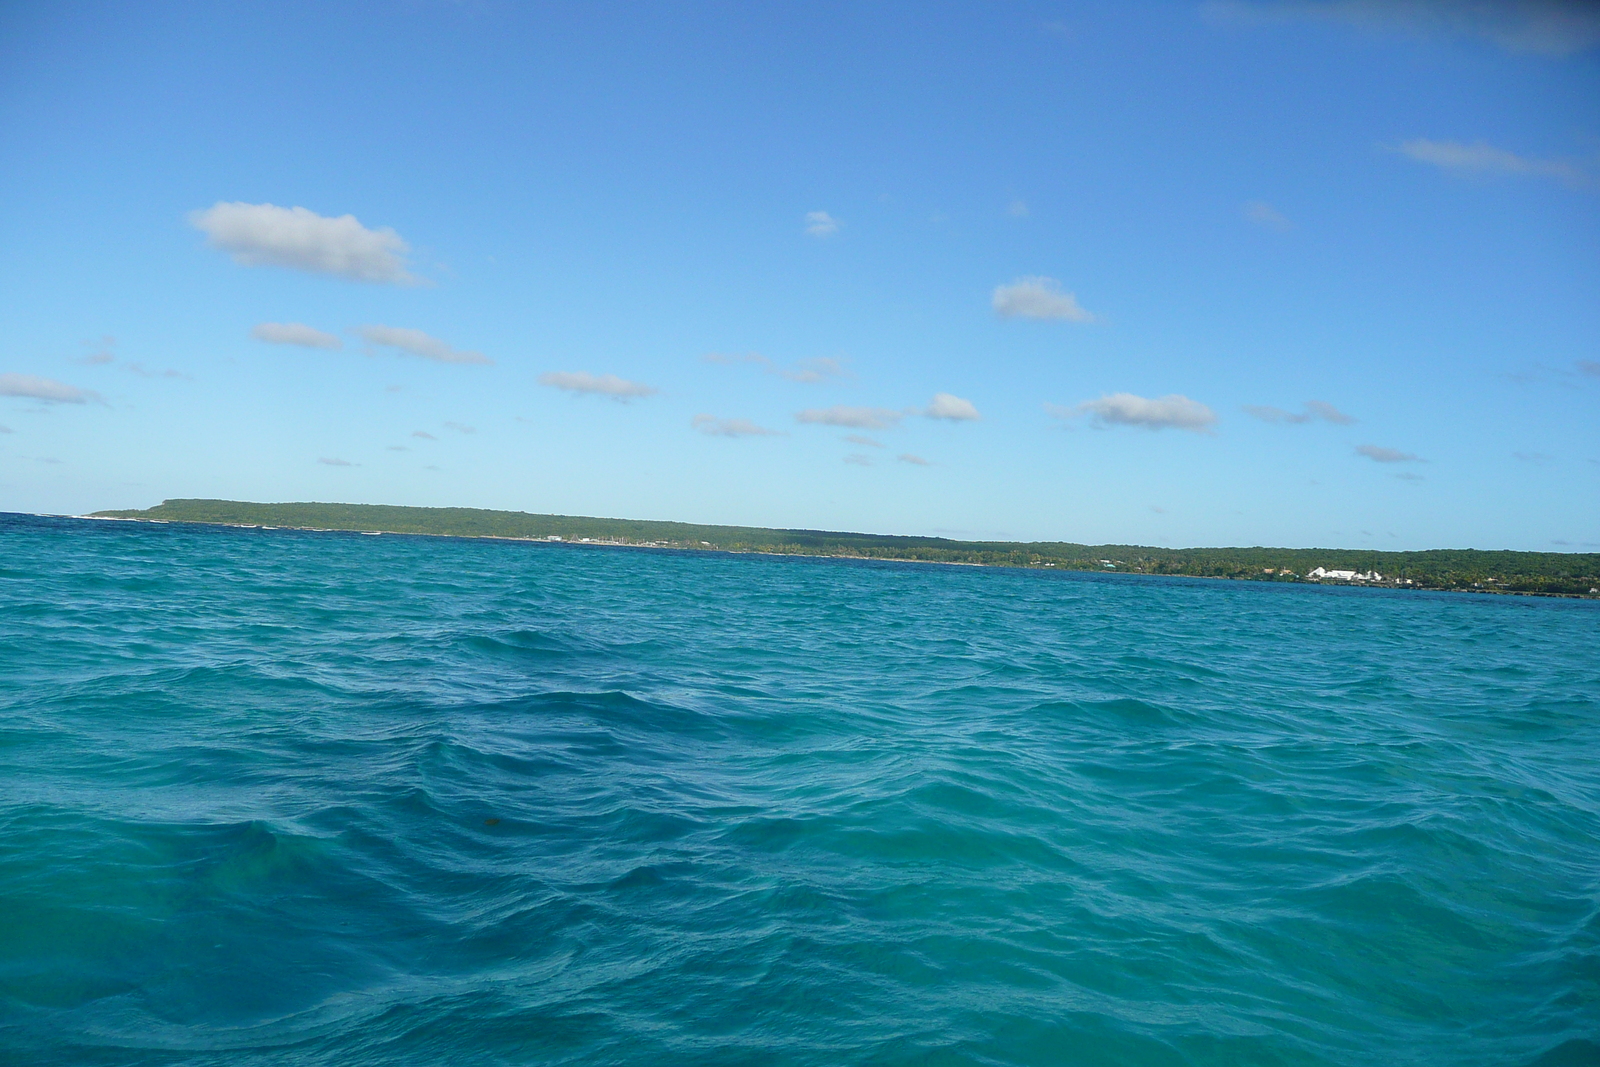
283, 797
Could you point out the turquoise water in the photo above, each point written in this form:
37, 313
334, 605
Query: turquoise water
271, 797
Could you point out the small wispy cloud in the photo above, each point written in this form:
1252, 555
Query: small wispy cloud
397, 448
1313, 409
5, 429
859, 460
952, 408
144, 372
294, 333
1379, 454
1264, 214
808, 371
710, 424
417, 343
1589, 367
459, 428
1540, 27
855, 418
257, 235
821, 224
820, 369
1017, 209
1481, 158
1172, 411
916, 461
609, 385
424, 435
1037, 297
334, 461
102, 354
864, 441
1538, 459
46, 389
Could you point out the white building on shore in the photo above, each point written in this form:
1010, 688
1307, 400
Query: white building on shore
1344, 576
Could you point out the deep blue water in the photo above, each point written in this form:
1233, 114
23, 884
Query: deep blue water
271, 797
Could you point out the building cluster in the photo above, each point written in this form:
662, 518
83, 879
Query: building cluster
1321, 573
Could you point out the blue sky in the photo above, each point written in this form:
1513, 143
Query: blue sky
1170, 273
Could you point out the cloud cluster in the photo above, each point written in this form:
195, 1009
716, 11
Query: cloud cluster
257, 235
294, 333
1037, 298
854, 418
417, 343
821, 224
710, 424
1314, 409
1485, 159
1379, 454
1126, 409
953, 408
599, 385
46, 389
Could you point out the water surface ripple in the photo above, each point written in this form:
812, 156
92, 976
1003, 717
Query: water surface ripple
274, 797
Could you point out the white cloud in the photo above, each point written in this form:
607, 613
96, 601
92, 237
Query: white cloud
1314, 409
907, 457
1486, 159
1264, 214
852, 417
424, 434
294, 333
710, 424
864, 441
821, 224
1037, 298
954, 408
1017, 209
257, 235
334, 461
420, 344
1380, 454
1545, 27
45, 389
1126, 409
602, 385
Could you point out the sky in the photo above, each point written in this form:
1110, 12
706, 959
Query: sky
1310, 274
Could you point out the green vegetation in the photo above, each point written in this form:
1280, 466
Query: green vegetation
1552, 573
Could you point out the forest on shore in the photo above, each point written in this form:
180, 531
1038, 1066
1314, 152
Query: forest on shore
1549, 573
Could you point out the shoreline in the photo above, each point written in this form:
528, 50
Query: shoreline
722, 550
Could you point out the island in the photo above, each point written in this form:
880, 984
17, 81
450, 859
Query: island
1566, 574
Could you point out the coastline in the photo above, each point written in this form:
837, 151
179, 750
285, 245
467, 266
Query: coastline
1079, 562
